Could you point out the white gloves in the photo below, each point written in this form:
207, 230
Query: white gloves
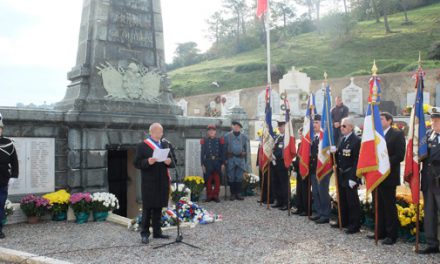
333, 149
12, 180
352, 183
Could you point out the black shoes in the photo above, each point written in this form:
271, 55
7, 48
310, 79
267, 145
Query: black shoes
217, 200
297, 212
388, 241
145, 240
351, 231
2, 235
303, 214
373, 237
284, 208
239, 197
161, 236
314, 218
277, 205
429, 250
322, 221
232, 198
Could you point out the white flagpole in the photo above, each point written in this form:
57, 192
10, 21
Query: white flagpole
267, 24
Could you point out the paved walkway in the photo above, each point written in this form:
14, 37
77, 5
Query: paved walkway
248, 234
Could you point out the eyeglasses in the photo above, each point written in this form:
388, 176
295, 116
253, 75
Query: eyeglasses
344, 126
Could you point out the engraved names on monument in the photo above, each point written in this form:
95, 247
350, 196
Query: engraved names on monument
36, 158
192, 158
297, 86
274, 102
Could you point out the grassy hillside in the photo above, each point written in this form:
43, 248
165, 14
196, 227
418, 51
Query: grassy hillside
313, 53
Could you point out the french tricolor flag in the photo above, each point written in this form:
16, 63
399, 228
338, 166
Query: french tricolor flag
373, 163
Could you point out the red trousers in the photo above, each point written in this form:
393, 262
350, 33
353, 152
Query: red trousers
214, 178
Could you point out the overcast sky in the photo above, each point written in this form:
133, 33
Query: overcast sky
38, 43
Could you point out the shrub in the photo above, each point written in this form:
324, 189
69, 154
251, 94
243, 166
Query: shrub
434, 51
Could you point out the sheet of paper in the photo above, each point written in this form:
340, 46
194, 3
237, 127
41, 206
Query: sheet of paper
161, 154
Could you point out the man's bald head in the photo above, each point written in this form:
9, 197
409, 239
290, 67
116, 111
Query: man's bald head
156, 131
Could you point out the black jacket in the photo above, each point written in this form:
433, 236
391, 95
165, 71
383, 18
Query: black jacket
396, 151
347, 157
155, 179
431, 166
8, 161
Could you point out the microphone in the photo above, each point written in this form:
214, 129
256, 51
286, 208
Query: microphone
167, 141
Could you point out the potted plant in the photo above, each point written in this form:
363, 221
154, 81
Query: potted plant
81, 205
34, 207
195, 184
59, 203
9, 210
250, 182
102, 203
178, 191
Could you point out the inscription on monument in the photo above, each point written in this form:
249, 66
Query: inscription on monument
192, 158
36, 158
131, 23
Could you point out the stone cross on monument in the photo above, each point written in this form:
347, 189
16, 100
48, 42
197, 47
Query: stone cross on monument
120, 61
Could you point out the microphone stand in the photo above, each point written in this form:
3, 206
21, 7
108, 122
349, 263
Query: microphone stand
179, 237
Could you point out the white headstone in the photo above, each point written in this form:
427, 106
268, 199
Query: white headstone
36, 161
411, 97
274, 102
193, 166
232, 99
184, 105
297, 86
352, 98
319, 100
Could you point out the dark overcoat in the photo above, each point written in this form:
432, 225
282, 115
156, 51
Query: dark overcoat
155, 181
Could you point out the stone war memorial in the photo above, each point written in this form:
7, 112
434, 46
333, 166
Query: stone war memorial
118, 87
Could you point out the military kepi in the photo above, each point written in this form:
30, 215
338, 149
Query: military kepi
435, 112
211, 127
235, 122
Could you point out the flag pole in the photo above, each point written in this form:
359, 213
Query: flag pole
262, 181
376, 217
335, 167
418, 200
309, 198
269, 83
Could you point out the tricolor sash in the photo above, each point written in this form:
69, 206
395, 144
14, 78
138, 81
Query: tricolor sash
153, 145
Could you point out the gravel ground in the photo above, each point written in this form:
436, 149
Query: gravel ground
248, 234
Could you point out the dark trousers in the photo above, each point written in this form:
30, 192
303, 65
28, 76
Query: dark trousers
3, 197
430, 223
350, 207
264, 188
281, 183
388, 222
302, 194
151, 215
213, 179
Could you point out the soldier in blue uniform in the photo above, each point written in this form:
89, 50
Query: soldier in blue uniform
431, 185
213, 162
237, 147
8, 171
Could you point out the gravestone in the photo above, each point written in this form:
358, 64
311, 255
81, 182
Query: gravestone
274, 102
411, 97
297, 86
352, 98
193, 167
184, 105
319, 100
232, 99
36, 159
